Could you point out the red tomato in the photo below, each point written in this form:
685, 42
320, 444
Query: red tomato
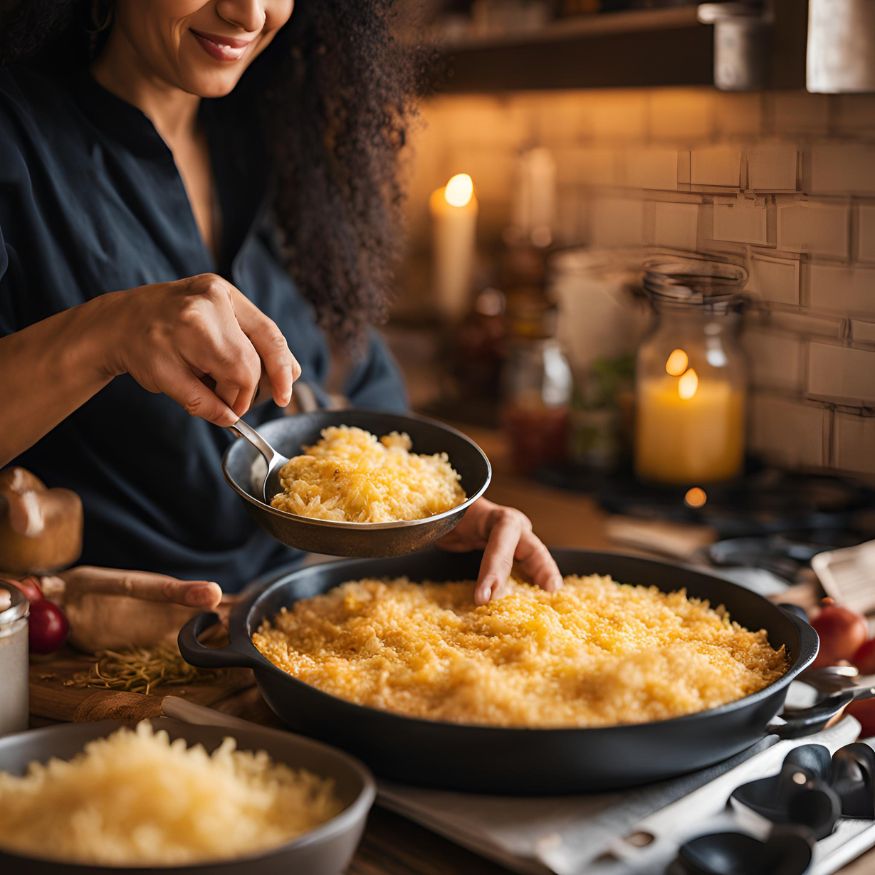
28, 585
864, 712
841, 632
47, 627
864, 658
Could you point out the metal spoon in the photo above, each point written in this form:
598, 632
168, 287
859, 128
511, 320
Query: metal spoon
271, 484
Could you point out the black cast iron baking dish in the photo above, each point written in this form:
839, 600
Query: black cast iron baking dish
325, 850
516, 760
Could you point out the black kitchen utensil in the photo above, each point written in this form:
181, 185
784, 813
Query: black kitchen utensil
517, 760
325, 850
785, 852
288, 435
814, 789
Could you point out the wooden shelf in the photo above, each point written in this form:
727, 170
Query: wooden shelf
656, 47
580, 27
621, 49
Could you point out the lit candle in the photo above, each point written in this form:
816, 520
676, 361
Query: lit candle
454, 226
688, 429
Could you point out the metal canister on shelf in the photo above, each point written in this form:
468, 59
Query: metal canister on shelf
14, 672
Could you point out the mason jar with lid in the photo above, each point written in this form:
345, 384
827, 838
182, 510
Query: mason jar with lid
691, 375
13, 659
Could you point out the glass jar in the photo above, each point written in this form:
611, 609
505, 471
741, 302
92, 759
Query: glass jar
13, 659
691, 376
536, 386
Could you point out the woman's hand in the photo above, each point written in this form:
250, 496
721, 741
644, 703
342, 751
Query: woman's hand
504, 534
203, 343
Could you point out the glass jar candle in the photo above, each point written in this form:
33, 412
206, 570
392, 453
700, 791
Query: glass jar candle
691, 375
13, 659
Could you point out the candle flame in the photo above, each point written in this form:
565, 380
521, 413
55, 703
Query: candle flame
688, 384
676, 363
696, 497
459, 190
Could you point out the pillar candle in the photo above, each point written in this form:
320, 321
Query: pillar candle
453, 211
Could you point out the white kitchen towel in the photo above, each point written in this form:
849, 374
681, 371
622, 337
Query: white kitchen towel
564, 835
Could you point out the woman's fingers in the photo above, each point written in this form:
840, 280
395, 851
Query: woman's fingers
536, 562
504, 527
196, 398
281, 366
141, 585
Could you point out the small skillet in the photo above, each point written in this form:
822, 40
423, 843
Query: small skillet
244, 470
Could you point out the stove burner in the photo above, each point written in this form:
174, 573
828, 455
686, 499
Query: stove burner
813, 789
784, 554
769, 518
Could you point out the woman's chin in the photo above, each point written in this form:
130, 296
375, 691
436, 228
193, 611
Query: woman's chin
211, 84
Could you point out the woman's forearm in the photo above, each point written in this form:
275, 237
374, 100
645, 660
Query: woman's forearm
51, 368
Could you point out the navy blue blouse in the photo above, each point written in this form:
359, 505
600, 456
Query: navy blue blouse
90, 202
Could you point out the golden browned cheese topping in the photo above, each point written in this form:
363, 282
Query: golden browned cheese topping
351, 476
595, 653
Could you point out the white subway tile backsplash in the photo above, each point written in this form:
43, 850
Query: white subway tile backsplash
855, 443
866, 232
617, 222
846, 289
816, 228
807, 324
842, 168
651, 168
675, 225
855, 113
743, 220
738, 115
797, 112
716, 165
863, 332
772, 168
789, 432
775, 359
618, 115
775, 279
585, 166
682, 115
841, 374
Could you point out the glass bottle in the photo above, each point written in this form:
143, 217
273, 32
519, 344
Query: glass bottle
536, 384
691, 375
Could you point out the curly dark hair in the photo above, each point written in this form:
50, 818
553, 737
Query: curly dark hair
335, 94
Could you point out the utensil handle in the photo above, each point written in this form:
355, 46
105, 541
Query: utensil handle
244, 430
806, 721
209, 657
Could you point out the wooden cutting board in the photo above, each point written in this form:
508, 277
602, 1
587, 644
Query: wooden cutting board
233, 691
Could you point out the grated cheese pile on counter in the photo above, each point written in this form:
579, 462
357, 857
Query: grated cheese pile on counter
595, 653
351, 476
136, 798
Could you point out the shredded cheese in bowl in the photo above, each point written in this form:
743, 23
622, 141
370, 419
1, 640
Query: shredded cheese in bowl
138, 798
350, 475
595, 653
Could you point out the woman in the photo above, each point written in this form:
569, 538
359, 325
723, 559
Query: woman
165, 169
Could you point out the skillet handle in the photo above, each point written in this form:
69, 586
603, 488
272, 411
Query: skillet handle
807, 721
210, 657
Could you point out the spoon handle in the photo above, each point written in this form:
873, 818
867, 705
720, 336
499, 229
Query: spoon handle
242, 429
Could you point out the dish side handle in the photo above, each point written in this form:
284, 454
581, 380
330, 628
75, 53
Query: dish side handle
202, 656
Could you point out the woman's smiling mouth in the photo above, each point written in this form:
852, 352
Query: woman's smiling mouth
222, 48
